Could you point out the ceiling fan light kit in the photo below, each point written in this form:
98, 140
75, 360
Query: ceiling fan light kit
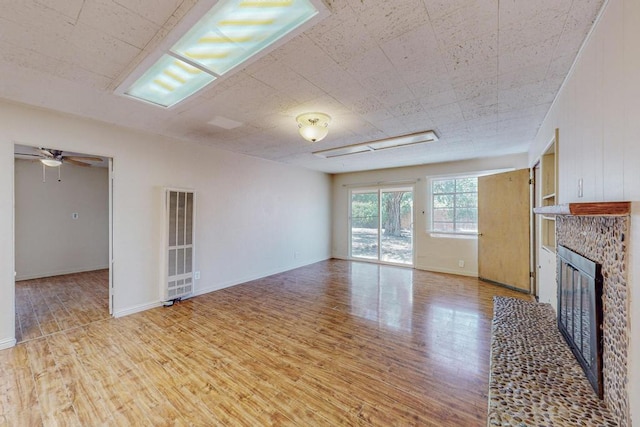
313, 127
54, 158
51, 162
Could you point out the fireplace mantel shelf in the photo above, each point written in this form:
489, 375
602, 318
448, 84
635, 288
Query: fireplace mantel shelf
586, 209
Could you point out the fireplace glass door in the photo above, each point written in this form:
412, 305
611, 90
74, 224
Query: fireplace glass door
580, 311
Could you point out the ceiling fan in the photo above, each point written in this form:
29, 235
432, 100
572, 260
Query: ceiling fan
55, 158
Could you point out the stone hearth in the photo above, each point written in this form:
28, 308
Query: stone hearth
535, 379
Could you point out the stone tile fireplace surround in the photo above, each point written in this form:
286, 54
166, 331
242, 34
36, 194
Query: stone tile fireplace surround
603, 240
534, 377
599, 231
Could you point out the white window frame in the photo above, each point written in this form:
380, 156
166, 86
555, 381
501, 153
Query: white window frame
429, 200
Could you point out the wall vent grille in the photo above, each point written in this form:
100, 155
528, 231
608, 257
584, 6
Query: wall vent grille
178, 250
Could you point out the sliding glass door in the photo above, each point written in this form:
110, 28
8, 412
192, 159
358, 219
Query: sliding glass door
365, 224
382, 225
396, 227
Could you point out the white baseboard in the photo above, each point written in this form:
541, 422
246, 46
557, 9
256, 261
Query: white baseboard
217, 287
228, 284
7, 343
59, 272
136, 309
447, 271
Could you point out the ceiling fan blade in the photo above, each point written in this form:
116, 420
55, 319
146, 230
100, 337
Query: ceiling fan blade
25, 154
46, 152
75, 162
83, 158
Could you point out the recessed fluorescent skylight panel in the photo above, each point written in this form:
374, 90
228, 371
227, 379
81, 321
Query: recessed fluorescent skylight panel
403, 140
235, 30
229, 34
169, 81
344, 151
381, 144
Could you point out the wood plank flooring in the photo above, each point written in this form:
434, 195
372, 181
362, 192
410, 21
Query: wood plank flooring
53, 304
333, 343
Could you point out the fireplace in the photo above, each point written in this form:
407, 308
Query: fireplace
599, 231
580, 311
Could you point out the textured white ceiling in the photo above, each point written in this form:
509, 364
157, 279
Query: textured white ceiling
481, 73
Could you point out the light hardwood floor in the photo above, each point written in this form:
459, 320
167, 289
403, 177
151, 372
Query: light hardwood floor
333, 343
53, 304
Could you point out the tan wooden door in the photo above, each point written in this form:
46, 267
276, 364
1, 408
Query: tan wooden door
503, 224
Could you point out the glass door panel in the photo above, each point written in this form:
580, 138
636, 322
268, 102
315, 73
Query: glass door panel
396, 233
365, 224
382, 225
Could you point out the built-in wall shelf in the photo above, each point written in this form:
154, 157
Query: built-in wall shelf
549, 193
586, 209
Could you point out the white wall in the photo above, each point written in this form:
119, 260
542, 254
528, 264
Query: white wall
48, 240
598, 114
7, 288
432, 253
253, 216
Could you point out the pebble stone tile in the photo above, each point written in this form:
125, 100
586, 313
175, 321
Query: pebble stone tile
603, 240
535, 379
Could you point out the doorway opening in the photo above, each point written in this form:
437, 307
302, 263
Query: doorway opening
63, 240
381, 225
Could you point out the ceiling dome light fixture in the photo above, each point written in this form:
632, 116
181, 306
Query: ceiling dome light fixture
313, 126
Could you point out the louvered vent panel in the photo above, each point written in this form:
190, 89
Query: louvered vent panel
178, 271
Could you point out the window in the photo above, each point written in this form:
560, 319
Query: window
454, 205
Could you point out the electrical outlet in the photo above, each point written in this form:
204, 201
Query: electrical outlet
196, 275
461, 263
